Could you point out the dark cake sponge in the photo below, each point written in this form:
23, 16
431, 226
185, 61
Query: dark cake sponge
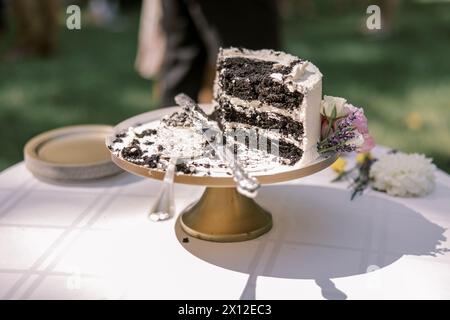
287, 126
250, 79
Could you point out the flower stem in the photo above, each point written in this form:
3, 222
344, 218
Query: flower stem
331, 148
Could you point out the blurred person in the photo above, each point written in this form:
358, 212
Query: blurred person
3, 25
388, 14
37, 27
2, 18
297, 8
189, 34
151, 42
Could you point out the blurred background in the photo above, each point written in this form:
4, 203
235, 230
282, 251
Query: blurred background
109, 70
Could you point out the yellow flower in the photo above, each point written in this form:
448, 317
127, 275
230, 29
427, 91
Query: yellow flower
414, 121
339, 165
361, 157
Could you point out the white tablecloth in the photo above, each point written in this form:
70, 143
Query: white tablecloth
94, 241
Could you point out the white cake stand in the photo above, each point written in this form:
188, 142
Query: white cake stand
221, 214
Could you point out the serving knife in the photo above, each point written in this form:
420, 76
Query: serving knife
211, 129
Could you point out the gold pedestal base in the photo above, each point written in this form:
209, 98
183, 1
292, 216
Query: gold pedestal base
224, 215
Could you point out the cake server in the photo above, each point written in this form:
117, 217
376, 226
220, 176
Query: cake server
246, 184
164, 206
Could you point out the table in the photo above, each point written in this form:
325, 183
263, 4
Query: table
94, 241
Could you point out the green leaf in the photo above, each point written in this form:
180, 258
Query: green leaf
334, 113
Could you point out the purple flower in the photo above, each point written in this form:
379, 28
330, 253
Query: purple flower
347, 122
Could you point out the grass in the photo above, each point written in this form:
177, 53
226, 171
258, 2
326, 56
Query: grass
92, 79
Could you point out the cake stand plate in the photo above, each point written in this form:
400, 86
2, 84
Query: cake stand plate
221, 214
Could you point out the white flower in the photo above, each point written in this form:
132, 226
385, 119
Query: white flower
403, 175
329, 102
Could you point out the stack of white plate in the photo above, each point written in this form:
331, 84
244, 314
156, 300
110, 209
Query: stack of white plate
71, 153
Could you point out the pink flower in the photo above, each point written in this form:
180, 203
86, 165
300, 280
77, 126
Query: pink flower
324, 127
349, 108
369, 143
360, 121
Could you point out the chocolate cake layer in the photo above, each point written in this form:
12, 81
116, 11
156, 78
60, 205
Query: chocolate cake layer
250, 79
289, 151
280, 147
226, 112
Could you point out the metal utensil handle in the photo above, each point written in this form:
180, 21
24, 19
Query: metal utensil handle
164, 206
170, 171
246, 184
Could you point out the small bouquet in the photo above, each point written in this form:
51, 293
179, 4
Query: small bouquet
395, 173
344, 127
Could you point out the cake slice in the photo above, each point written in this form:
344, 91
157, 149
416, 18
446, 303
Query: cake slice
274, 94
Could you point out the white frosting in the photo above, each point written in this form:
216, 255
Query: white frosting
279, 57
310, 112
277, 77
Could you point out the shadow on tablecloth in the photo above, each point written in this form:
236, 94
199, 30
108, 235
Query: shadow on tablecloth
320, 234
